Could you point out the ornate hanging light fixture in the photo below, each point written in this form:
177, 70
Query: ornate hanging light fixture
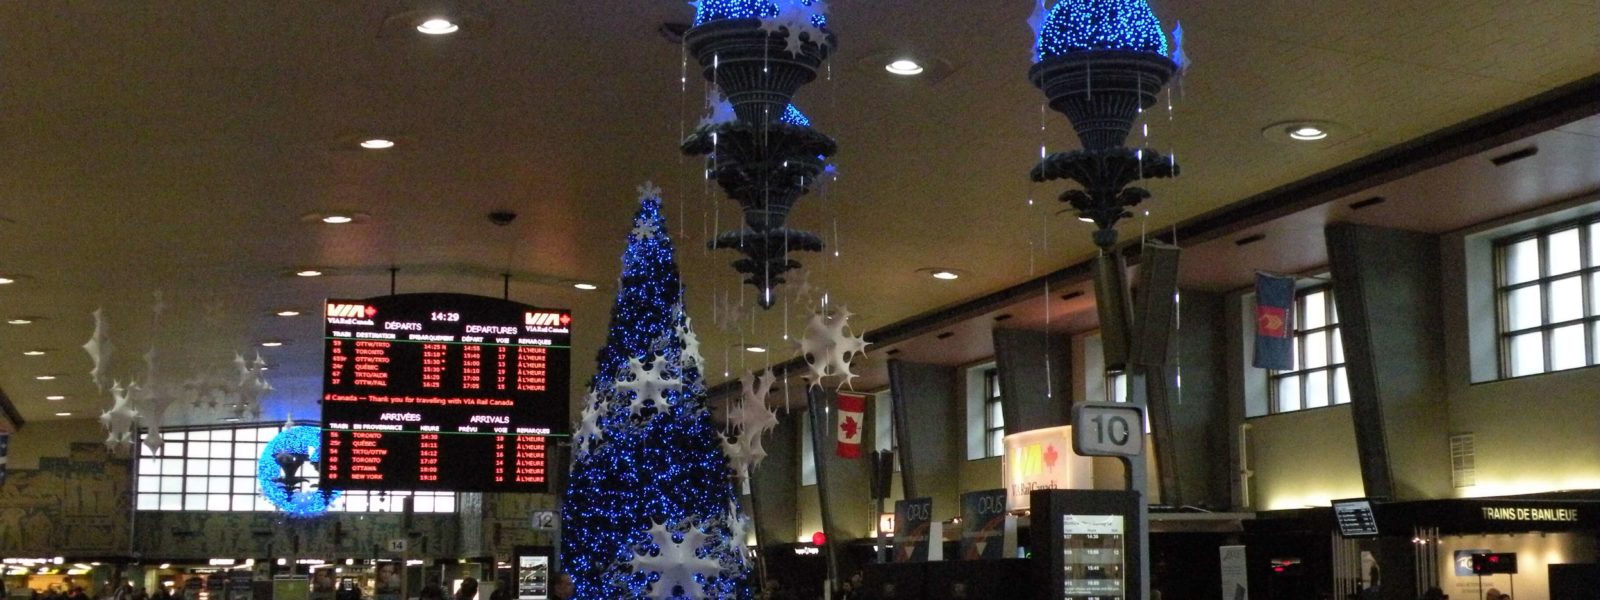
758, 53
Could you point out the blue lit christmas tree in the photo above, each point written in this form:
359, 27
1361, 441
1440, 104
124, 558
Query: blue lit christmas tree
1078, 25
650, 509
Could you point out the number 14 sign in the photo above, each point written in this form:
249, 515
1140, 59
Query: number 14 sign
1108, 429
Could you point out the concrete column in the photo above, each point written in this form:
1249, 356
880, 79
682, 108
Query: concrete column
1035, 370
927, 423
1386, 288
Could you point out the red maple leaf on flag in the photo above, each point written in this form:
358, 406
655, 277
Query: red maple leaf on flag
850, 427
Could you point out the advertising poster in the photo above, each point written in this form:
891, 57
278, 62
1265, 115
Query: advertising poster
983, 521
387, 586
1092, 557
1235, 577
240, 586
912, 519
533, 577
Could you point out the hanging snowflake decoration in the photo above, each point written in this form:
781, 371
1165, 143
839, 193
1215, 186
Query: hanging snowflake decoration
690, 357
798, 18
99, 348
828, 347
120, 419
589, 433
720, 109
648, 385
677, 562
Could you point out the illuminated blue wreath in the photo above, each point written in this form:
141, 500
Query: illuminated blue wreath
277, 472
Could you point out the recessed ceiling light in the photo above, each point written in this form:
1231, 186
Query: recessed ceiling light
308, 273
945, 275
34, 352
287, 313
63, 414
904, 66
271, 344
377, 144
55, 397
20, 321
438, 26
338, 219
1308, 133
586, 286
44, 377
941, 273
755, 349
230, 419
1304, 130
6, 280
1085, 219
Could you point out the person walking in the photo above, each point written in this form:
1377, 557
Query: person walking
468, 589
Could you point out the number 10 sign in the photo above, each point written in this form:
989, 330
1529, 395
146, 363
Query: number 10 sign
1108, 429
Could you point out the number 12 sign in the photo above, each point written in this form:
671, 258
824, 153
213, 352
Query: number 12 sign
1108, 429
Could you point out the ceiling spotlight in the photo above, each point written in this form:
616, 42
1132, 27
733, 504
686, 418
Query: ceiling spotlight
55, 397
438, 26
308, 273
904, 66
44, 377
377, 144
755, 349
230, 419
945, 275
20, 321
6, 280
63, 414
338, 219
1307, 133
271, 344
586, 286
287, 313
941, 273
33, 352
1085, 219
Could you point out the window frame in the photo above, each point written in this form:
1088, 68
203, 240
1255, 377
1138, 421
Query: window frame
993, 433
1331, 325
1586, 276
193, 486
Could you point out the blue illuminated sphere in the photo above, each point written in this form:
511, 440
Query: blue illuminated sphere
297, 439
1079, 25
718, 10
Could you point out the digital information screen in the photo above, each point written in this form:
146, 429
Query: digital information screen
1355, 518
445, 392
1092, 557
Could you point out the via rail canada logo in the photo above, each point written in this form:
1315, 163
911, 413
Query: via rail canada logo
352, 311
547, 322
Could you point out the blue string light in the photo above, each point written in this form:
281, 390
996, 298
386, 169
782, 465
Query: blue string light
717, 10
1078, 25
793, 116
298, 439
664, 465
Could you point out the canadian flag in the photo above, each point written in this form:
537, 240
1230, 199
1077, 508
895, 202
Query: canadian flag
851, 410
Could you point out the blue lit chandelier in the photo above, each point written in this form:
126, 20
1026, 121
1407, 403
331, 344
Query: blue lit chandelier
759, 53
278, 472
1101, 62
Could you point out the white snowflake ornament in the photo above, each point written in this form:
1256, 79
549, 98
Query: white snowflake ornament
690, 357
677, 563
119, 420
589, 431
99, 348
828, 347
751, 414
721, 110
648, 384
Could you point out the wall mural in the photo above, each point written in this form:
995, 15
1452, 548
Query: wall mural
200, 535
75, 504
508, 521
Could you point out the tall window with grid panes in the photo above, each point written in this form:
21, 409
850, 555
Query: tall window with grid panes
1318, 378
214, 469
994, 419
1548, 295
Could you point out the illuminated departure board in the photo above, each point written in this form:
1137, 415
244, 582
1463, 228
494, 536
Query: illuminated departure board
445, 392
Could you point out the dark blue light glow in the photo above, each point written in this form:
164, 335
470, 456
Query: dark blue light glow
717, 10
793, 116
664, 464
1078, 25
298, 439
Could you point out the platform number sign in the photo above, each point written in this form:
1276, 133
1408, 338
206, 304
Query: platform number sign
1108, 429
544, 520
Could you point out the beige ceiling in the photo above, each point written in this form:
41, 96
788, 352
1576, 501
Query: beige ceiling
175, 146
